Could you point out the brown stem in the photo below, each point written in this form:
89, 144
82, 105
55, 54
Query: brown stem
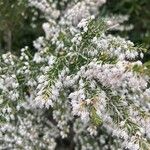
8, 39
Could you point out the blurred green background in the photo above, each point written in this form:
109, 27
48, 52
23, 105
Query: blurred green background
21, 25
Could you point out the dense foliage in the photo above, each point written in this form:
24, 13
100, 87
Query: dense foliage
25, 23
139, 14
136, 27
83, 88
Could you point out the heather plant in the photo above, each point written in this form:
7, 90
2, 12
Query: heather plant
136, 27
83, 88
140, 20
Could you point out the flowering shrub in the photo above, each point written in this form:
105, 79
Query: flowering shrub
137, 19
83, 89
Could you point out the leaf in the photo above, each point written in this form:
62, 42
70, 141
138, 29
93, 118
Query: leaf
147, 64
144, 145
2, 119
96, 120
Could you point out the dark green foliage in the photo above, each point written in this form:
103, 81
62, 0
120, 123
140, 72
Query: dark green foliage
139, 17
16, 25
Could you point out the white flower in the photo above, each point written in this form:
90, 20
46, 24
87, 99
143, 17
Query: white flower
82, 23
37, 58
46, 28
51, 60
41, 79
92, 130
85, 116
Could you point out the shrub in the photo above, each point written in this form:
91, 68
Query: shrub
83, 89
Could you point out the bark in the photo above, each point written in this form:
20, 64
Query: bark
8, 39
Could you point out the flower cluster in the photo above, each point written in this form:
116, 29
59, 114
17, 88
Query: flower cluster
83, 89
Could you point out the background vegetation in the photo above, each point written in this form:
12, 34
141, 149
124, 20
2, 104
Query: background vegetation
139, 17
20, 25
